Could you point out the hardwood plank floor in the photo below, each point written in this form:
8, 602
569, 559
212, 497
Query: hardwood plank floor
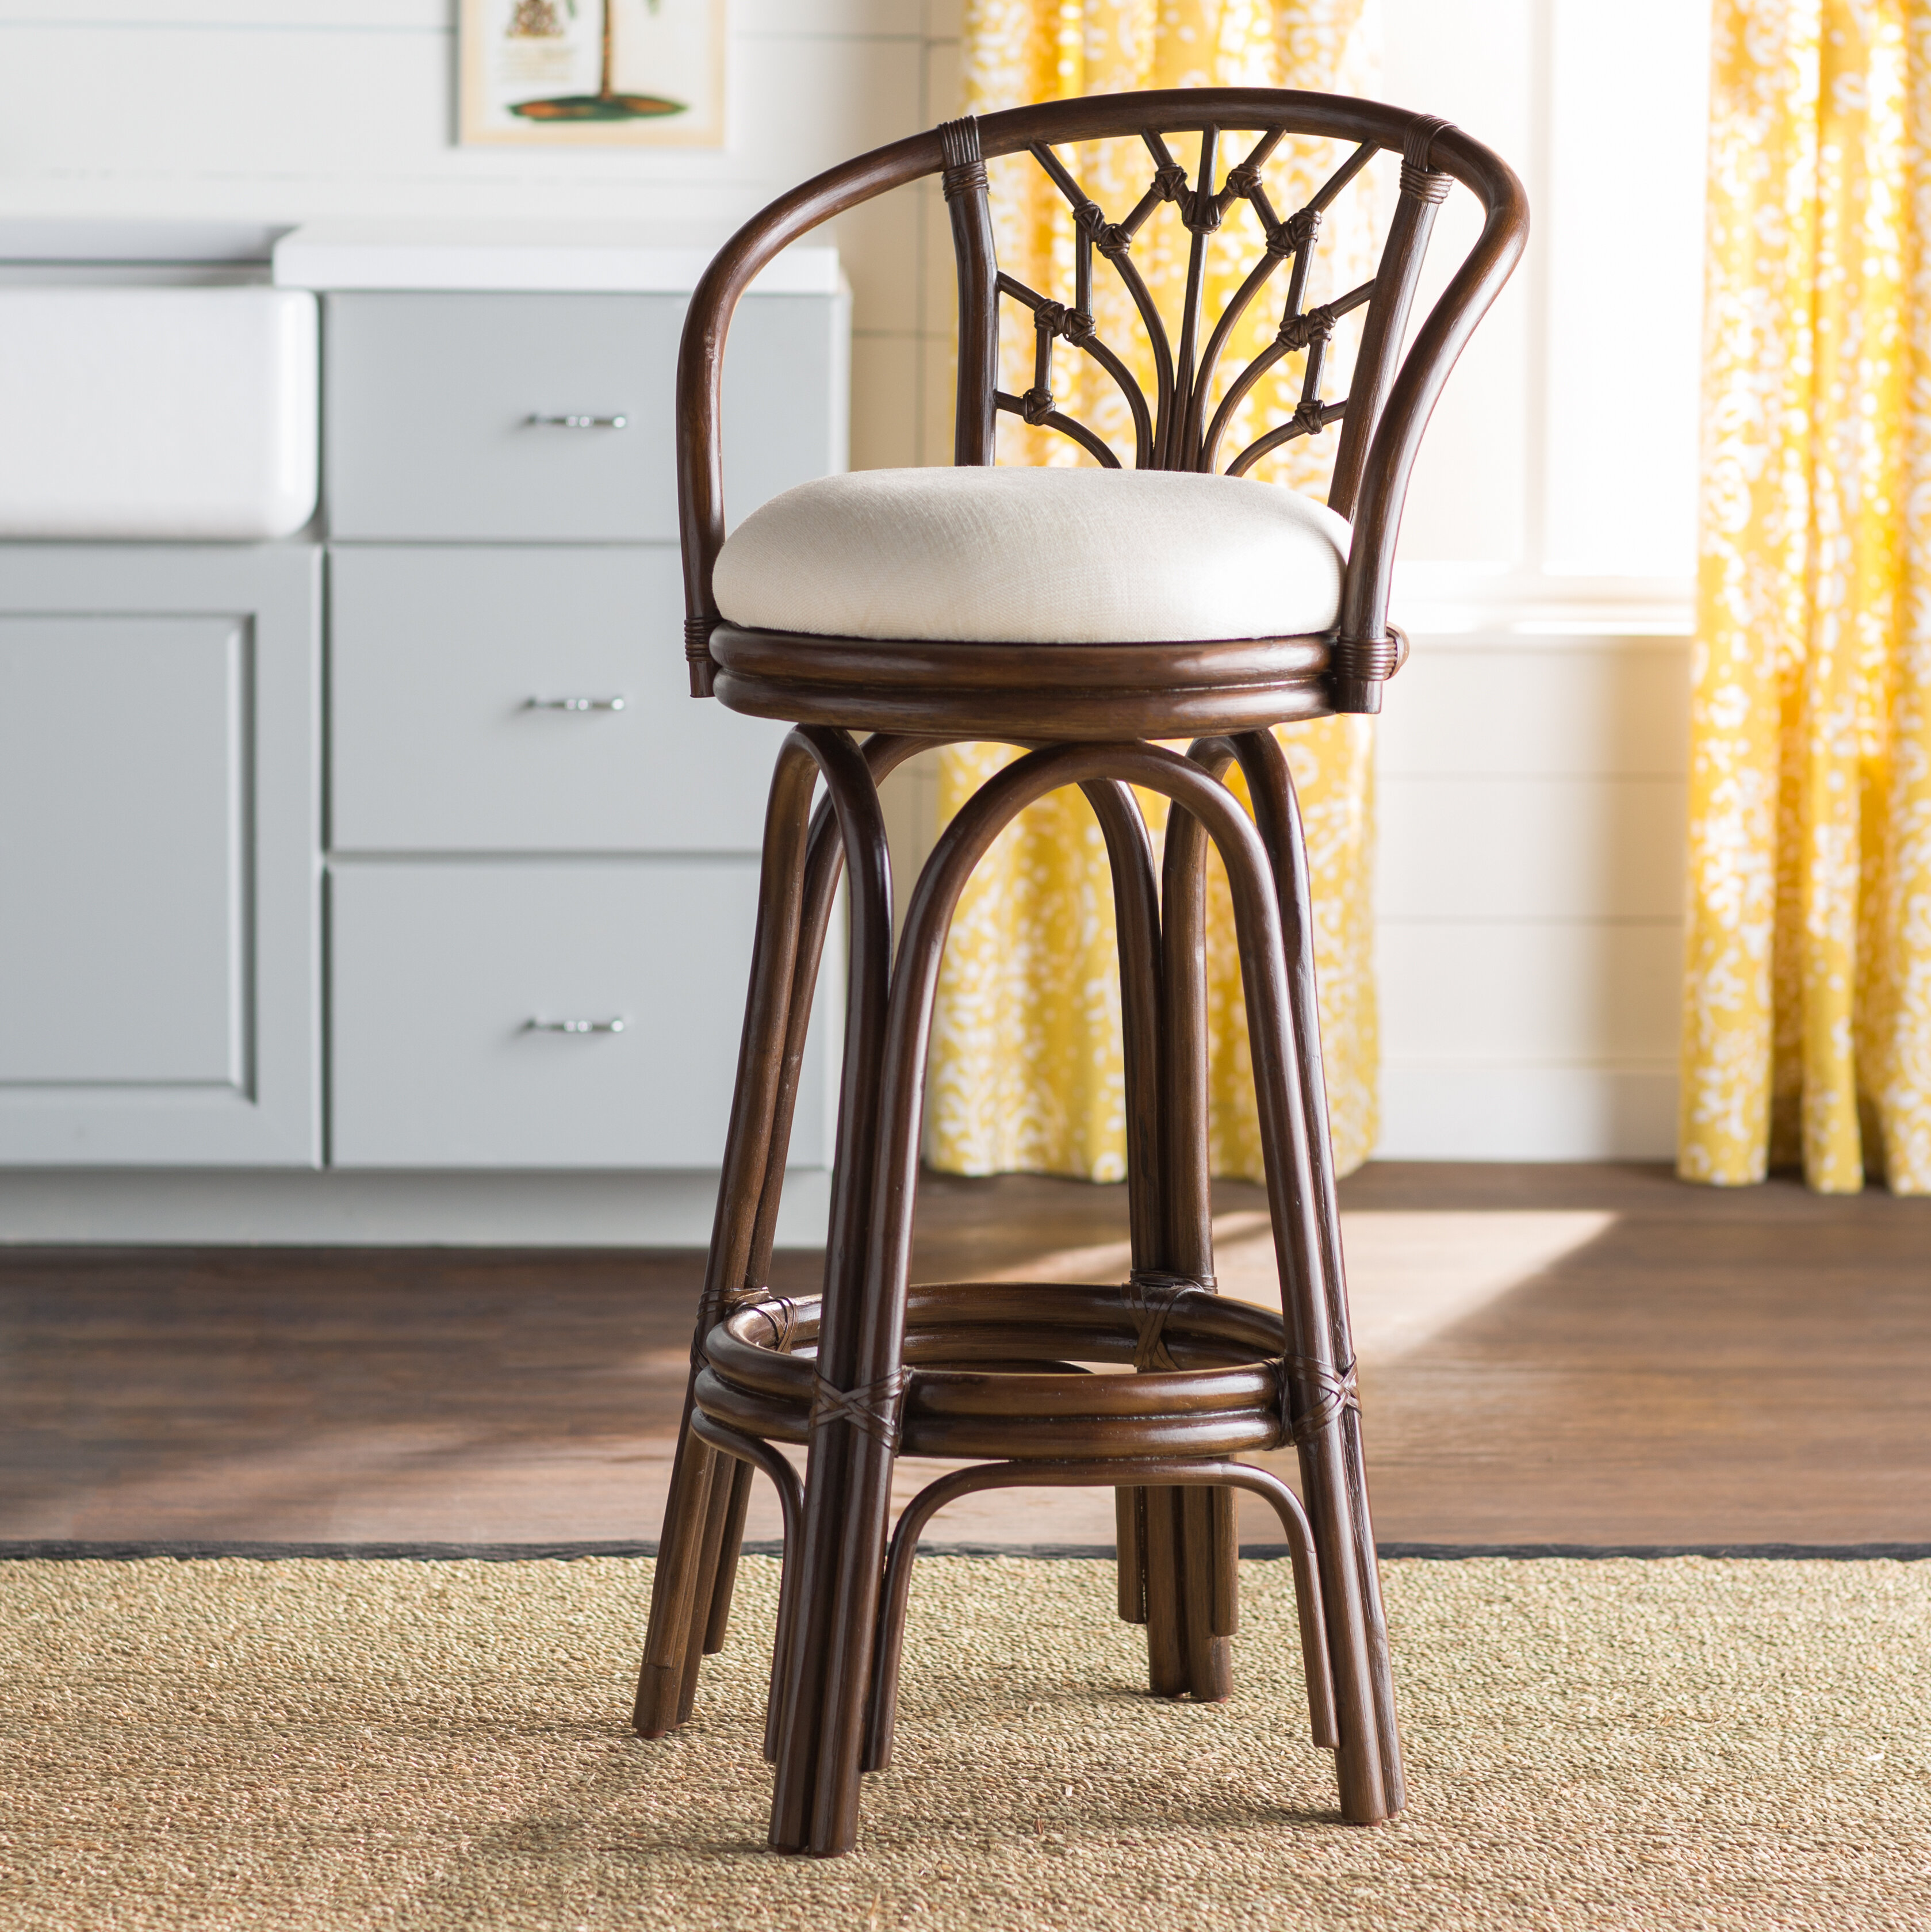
1587, 1355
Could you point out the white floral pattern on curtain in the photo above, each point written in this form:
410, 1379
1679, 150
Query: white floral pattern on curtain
1808, 1026
1025, 1071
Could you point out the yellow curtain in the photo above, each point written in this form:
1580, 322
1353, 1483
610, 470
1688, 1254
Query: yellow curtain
1025, 1071
1807, 1031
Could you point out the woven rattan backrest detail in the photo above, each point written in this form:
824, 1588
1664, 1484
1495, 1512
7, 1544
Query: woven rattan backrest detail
1172, 429
1398, 372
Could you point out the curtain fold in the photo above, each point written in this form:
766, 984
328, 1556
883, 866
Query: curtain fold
1807, 1025
1025, 1071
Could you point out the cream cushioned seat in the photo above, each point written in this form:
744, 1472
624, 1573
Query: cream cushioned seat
1023, 556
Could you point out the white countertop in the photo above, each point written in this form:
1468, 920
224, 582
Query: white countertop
632, 259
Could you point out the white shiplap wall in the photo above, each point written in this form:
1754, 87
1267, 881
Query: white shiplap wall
1532, 756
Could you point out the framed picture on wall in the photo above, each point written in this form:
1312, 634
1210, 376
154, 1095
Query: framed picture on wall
600, 73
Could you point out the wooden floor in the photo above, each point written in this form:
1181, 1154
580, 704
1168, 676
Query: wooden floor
1582, 1355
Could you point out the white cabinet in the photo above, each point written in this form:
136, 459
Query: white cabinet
530, 819
243, 927
160, 990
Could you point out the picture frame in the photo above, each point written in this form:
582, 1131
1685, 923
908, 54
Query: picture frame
591, 73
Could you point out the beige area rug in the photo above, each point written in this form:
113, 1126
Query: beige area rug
321, 1744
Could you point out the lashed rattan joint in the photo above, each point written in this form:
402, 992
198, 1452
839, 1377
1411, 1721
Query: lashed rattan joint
779, 1311
965, 169
1150, 1295
1314, 1395
878, 1407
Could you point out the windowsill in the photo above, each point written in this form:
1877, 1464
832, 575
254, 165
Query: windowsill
1491, 604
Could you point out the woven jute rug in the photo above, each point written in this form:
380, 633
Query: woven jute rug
1600, 1744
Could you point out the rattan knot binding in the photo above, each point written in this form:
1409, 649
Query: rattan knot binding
698, 638
1421, 187
1170, 182
1313, 1395
1202, 212
1150, 1295
1298, 231
1311, 419
1419, 180
1298, 330
878, 1407
780, 1312
1108, 237
964, 172
1036, 406
1372, 658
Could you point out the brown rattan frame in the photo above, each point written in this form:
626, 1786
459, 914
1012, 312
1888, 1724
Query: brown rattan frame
874, 1366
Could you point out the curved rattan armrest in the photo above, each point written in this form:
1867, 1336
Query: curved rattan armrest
700, 358
1366, 651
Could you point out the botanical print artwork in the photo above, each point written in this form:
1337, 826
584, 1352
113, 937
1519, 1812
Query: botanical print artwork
1026, 1071
1807, 1006
626, 72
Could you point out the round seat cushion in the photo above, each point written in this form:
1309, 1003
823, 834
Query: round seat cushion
1076, 556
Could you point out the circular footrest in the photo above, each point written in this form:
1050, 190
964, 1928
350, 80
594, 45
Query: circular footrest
992, 1373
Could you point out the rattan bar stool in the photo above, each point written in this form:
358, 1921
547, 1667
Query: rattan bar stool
1082, 614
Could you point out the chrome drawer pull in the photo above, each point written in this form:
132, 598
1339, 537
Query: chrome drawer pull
533, 1025
580, 422
573, 704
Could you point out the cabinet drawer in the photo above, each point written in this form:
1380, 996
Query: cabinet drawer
436, 656
429, 426
440, 969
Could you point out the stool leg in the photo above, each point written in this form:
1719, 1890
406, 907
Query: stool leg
1207, 1518
725, 1471
1308, 1366
1284, 1027
663, 1694
724, 1577
1278, 817
1136, 918
1204, 1552
824, 863
825, 1674
822, 1723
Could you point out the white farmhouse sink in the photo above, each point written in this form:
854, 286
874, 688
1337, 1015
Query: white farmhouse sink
156, 412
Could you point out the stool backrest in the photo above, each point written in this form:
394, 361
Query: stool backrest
1180, 425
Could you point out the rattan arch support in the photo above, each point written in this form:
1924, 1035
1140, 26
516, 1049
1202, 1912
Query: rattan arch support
818, 1729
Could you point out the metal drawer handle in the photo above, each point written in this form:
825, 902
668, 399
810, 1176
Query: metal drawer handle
534, 1025
573, 704
580, 422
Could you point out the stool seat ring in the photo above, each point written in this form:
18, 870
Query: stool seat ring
965, 690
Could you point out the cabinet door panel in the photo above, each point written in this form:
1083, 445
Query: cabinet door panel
123, 849
159, 994
439, 970
436, 656
431, 415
